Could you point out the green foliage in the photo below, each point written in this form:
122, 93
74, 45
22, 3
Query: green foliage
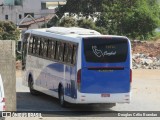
142, 22
155, 37
86, 23
136, 19
53, 22
83, 8
68, 22
8, 31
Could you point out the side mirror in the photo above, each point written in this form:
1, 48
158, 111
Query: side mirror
19, 47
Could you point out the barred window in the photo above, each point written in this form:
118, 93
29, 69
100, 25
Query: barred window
74, 54
59, 51
51, 49
68, 53
30, 45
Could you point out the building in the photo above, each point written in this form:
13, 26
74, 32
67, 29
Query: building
17, 10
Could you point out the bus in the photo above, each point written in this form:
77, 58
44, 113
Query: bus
77, 65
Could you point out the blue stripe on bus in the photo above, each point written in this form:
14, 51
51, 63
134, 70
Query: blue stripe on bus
52, 75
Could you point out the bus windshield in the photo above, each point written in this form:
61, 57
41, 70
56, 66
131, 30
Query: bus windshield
105, 50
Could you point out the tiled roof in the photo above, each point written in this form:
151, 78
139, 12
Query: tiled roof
42, 19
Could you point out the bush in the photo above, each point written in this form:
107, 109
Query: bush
68, 22
86, 23
8, 31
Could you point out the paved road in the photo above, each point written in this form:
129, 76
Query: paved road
145, 97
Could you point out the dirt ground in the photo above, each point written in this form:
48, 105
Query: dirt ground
151, 48
145, 96
146, 74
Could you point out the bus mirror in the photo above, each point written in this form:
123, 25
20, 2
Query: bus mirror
19, 47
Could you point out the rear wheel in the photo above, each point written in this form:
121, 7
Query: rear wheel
61, 97
108, 105
30, 83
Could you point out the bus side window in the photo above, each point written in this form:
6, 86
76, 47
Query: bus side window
34, 46
37, 46
68, 53
74, 54
51, 49
30, 45
59, 51
45, 48
41, 47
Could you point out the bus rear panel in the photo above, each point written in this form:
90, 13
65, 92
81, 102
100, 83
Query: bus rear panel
105, 74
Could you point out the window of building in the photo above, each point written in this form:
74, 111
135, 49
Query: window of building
6, 17
25, 14
18, 2
43, 6
20, 16
51, 5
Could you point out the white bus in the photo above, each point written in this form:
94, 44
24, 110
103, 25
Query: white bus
77, 65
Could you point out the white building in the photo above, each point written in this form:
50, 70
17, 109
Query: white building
17, 10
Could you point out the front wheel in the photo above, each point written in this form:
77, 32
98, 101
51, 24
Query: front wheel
30, 83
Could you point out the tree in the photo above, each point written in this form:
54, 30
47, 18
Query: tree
142, 22
83, 8
132, 18
86, 23
8, 31
68, 22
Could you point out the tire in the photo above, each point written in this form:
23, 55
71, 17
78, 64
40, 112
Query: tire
61, 97
108, 105
30, 83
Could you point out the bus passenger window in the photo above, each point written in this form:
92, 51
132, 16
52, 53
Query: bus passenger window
74, 54
68, 53
41, 47
34, 46
30, 45
59, 51
51, 49
45, 48
37, 46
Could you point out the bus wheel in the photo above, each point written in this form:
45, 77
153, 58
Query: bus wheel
30, 83
61, 97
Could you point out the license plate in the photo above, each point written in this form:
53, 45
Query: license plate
105, 95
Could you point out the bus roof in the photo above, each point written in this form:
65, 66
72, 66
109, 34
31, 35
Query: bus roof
72, 32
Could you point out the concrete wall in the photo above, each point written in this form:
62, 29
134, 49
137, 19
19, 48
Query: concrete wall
7, 71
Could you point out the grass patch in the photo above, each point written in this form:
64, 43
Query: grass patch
155, 37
